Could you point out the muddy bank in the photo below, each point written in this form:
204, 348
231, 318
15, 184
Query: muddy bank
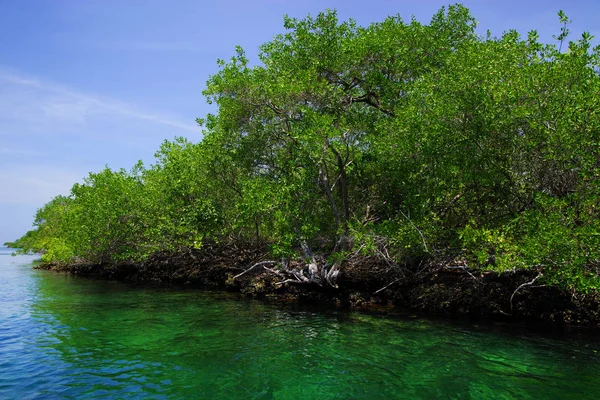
364, 283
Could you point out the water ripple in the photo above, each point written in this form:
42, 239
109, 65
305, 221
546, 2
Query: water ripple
71, 338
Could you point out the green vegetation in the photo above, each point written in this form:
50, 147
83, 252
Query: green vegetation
416, 143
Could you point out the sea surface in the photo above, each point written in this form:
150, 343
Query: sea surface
64, 337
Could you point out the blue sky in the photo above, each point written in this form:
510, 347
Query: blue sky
95, 82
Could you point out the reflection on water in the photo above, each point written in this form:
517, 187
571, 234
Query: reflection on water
64, 337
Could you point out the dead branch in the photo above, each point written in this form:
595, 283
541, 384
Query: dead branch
317, 273
301, 277
274, 271
288, 281
258, 264
530, 283
313, 268
417, 229
387, 286
461, 267
332, 274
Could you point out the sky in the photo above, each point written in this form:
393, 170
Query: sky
89, 83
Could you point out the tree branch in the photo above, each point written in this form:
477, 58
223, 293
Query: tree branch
531, 282
417, 229
258, 264
387, 286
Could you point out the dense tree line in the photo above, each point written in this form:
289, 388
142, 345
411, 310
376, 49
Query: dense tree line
400, 140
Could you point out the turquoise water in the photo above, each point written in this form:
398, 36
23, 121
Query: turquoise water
75, 338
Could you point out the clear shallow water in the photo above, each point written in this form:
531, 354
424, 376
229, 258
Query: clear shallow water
74, 338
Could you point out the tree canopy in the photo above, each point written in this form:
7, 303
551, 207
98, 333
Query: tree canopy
423, 142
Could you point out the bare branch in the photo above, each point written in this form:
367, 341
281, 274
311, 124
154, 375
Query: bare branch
417, 229
301, 277
387, 286
530, 283
332, 274
258, 264
466, 269
288, 281
274, 271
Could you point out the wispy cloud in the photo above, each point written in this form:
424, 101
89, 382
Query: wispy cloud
52, 135
35, 103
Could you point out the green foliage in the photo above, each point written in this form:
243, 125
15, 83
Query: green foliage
182, 206
424, 140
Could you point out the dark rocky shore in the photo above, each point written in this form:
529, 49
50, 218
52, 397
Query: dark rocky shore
365, 284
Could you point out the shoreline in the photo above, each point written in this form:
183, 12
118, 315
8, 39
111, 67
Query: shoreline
367, 284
